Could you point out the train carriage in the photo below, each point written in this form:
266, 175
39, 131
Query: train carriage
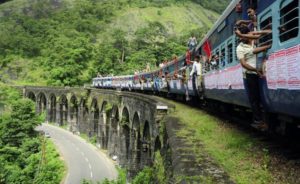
280, 86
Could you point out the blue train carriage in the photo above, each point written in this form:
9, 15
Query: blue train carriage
140, 81
172, 75
107, 82
124, 82
280, 88
97, 82
224, 81
102, 82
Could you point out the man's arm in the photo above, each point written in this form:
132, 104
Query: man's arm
246, 65
249, 67
261, 32
261, 49
243, 22
252, 35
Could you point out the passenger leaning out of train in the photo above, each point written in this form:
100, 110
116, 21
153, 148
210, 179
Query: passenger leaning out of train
215, 62
192, 42
246, 53
252, 22
184, 80
196, 73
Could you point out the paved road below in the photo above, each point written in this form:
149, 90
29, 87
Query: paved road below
83, 160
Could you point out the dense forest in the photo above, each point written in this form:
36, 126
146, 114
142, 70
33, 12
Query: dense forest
66, 43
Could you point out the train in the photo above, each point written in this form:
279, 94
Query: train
279, 87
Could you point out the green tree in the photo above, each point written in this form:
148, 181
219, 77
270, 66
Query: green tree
20, 124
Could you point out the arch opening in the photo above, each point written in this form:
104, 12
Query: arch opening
63, 110
136, 141
146, 144
74, 114
31, 96
95, 117
42, 103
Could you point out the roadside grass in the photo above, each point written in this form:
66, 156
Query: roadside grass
55, 159
53, 167
240, 155
92, 140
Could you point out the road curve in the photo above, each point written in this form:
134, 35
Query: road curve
83, 160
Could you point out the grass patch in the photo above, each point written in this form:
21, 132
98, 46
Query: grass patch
92, 140
52, 167
235, 151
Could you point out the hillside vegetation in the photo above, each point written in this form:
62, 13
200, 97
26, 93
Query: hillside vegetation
25, 155
66, 43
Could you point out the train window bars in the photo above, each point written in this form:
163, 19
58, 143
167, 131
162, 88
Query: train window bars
236, 42
289, 20
265, 25
223, 58
229, 53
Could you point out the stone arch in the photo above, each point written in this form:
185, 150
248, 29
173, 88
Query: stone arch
146, 144
136, 141
52, 108
73, 113
41, 103
113, 134
115, 117
157, 144
63, 110
31, 96
84, 124
104, 125
124, 137
95, 116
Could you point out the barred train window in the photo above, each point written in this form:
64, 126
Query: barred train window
229, 53
236, 41
217, 52
223, 58
289, 20
264, 25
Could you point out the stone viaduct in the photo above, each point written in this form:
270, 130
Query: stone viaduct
127, 125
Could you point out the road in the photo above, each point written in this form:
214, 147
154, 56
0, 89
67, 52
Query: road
83, 160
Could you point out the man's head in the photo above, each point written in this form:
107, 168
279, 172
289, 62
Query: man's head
251, 13
244, 30
216, 57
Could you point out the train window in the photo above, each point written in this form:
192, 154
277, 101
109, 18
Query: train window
222, 58
237, 41
289, 20
217, 52
229, 53
264, 25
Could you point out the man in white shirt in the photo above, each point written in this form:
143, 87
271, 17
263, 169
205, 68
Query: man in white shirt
196, 74
246, 53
